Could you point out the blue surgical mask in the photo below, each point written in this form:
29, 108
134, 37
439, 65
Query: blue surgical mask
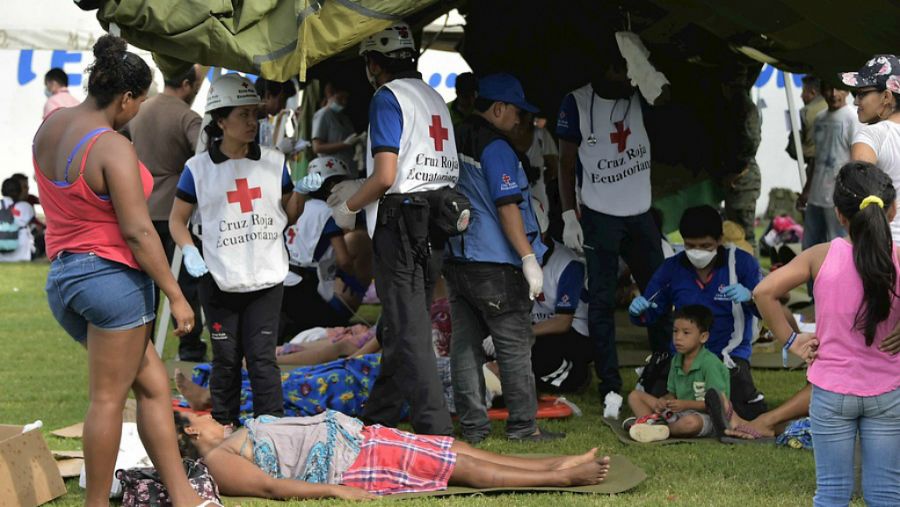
337, 108
47, 93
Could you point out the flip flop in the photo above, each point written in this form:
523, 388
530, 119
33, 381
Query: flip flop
716, 410
743, 428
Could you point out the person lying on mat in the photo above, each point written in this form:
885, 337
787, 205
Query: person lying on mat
698, 387
333, 455
721, 278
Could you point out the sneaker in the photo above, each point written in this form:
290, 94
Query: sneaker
543, 436
651, 418
628, 423
646, 433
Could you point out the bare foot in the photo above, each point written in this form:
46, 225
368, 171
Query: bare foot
587, 474
197, 397
573, 461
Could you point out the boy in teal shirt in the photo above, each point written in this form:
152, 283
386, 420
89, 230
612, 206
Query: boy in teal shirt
699, 384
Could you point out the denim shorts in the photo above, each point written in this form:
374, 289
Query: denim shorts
83, 288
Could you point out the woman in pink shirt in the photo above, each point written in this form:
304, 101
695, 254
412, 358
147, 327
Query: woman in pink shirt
856, 385
105, 257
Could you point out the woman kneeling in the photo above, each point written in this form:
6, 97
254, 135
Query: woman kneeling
334, 455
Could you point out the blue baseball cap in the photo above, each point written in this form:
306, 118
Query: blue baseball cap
504, 87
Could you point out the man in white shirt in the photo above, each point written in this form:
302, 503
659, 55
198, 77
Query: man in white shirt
833, 133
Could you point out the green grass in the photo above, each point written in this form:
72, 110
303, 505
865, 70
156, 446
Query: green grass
44, 376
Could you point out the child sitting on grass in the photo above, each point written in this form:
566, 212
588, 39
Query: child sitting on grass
698, 386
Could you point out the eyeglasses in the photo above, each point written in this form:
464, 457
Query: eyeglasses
859, 94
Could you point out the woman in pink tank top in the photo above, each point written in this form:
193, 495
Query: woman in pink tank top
105, 256
855, 374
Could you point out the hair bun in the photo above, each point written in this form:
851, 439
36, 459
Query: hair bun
110, 46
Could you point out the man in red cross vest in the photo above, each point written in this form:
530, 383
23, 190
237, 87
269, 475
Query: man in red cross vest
412, 161
601, 133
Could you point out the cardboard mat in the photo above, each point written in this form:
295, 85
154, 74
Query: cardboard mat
616, 426
623, 476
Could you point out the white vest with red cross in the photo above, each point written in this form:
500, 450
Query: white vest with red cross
243, 220
427, 159
614, 155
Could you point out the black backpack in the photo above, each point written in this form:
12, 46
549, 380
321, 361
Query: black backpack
9, 231
655, 376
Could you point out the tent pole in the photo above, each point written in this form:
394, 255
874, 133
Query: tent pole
162, 321
795, 129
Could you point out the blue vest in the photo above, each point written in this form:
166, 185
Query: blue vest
484, 240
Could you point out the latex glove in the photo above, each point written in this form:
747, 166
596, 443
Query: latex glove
193, 262
640, 305
573, 236
301, 145
343, 191
352, 139
737, 293
308, 183
343, 217
534, 275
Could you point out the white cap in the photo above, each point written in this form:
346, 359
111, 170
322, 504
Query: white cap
394, 41
540, 213
231, 90
328, 167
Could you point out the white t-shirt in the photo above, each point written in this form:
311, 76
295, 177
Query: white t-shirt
884, 138
22, 215
833, 133
557, 273
543, 145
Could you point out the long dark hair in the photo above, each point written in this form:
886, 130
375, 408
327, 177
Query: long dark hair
185, 446
115, 71
857, 191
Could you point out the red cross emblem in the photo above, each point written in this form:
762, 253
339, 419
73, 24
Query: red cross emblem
402, 32
438, 132
216, 327
620, 136
244, 195
329, 164
541, 297
291, 235
16, 212
507, 179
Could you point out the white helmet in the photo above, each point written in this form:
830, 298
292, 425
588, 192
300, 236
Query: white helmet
328, 167
231, 90
394, 41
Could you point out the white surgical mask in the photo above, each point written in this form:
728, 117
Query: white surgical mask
337, 108
700, 258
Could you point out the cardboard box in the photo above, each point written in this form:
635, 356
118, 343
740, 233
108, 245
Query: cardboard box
28, 473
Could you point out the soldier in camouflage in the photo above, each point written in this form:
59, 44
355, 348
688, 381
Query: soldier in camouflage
742, 179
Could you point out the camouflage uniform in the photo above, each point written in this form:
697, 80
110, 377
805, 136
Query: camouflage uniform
742, 194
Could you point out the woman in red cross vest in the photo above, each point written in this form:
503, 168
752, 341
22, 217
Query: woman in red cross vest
243, 197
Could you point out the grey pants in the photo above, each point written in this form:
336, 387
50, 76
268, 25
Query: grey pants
491, 299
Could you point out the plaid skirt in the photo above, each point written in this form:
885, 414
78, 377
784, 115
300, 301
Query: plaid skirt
393, 461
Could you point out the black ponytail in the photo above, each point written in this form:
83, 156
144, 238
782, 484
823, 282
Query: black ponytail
212, 129
116, 71
860, 183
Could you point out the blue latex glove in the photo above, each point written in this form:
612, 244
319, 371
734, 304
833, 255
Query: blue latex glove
640, 305
737, 293
193, 262
308, 183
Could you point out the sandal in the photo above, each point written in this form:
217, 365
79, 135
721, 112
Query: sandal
758, 438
